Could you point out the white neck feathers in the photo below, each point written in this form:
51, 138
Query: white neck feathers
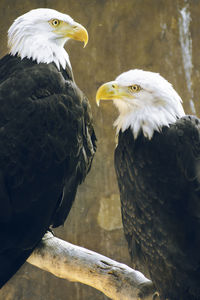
147, 118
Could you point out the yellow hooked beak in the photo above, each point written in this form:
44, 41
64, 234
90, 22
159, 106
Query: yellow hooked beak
111, 91
73, 31
79, 33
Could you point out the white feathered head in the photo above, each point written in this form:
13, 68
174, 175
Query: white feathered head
145, 100
41, 33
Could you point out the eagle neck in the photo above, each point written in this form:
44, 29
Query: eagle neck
40, 51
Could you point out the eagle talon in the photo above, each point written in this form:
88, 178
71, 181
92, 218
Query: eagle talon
146, 290
156, 296
51, 231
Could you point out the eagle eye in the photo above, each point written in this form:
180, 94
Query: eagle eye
54, 22
135, 88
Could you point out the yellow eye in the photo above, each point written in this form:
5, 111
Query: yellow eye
135, 88
54, 22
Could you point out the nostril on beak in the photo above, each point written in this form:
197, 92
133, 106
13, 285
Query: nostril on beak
113, 86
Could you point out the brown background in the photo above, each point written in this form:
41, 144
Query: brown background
148, 34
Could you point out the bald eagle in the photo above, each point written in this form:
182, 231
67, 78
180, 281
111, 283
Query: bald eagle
47, 140
157, 162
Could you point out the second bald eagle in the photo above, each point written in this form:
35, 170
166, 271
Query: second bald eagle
157, 163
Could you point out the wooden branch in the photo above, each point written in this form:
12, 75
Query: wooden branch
115, 280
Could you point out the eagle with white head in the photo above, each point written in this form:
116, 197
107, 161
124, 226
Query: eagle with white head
47, 140
157, 162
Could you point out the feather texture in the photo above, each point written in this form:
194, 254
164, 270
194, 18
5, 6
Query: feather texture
47, 143
160, 191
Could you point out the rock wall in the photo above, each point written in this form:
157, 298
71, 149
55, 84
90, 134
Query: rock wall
156, 35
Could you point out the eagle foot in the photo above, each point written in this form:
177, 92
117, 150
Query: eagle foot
156, 296
48, 235
51, 231
146, 291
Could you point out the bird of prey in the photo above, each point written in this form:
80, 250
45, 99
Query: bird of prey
47, 140
157, 162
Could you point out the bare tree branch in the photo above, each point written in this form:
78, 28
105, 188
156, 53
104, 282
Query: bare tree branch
115, 280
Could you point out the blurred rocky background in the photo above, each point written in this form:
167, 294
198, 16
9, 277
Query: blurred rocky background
158, 35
